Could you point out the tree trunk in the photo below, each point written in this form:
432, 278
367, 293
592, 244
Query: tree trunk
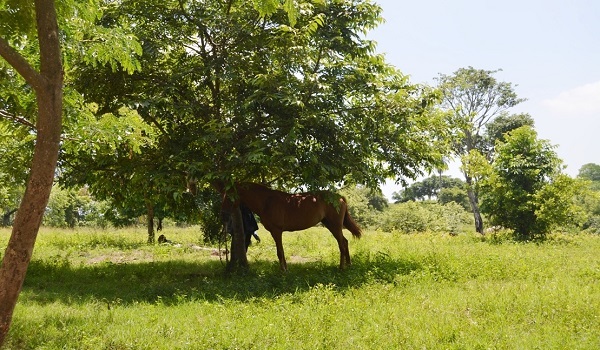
239, 260
48, 87
474, 201
150, 214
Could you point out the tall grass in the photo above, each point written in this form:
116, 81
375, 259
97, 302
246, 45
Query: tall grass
109, 290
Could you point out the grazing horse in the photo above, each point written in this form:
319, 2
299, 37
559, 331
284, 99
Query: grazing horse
280, 211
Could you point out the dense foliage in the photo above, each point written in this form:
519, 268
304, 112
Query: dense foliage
524, 188
230, 94
419, 217
590, 174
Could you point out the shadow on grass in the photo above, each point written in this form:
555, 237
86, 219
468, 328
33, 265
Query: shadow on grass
181, 281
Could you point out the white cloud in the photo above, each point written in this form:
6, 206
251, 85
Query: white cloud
583, 99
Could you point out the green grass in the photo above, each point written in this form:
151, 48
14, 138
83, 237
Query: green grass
109, 290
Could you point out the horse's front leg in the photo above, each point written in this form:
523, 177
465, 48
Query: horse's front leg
277, 237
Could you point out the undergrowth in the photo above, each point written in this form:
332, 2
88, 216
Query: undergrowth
110, 290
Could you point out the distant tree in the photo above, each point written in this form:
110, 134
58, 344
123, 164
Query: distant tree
428, 188
524, 189
474, 97
455, 194
591, 172
497, 128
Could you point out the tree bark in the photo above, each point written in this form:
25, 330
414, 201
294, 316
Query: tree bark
150, 224
48, 87
239, 259
474, 201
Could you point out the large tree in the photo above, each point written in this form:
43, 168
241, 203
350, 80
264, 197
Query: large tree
237, 96
474, 97
30, 44
47, 83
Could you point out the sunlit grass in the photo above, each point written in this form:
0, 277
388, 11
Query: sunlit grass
110, 290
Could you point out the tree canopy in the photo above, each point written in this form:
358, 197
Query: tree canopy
237, 96
590, 172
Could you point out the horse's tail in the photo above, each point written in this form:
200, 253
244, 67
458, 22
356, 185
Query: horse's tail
351, 225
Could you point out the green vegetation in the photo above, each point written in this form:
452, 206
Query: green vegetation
525, 190
90, 289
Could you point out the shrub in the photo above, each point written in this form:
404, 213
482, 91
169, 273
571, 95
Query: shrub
413, 217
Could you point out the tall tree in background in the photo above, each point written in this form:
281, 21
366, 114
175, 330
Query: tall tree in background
590, 172
497, 129
474, 98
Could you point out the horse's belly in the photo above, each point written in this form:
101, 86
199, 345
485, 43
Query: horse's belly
292, 225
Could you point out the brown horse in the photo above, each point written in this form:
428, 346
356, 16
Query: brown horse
280, 211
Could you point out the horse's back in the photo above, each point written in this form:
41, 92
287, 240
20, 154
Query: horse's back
292, 212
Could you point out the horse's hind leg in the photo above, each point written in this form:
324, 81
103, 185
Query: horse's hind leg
279, 244
336, 230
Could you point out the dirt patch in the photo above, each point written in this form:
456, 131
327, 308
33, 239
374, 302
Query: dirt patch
121, 257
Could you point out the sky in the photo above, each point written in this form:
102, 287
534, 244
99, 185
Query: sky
550, 51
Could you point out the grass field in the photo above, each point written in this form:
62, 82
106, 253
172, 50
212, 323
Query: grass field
110, 290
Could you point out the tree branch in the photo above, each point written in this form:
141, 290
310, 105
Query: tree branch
20, 64
15, 118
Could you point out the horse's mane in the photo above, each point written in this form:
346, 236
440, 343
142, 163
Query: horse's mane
254, 184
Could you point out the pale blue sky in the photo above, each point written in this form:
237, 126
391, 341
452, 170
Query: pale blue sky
549, 49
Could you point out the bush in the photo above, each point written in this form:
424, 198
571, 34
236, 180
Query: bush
365, 205
413, 217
